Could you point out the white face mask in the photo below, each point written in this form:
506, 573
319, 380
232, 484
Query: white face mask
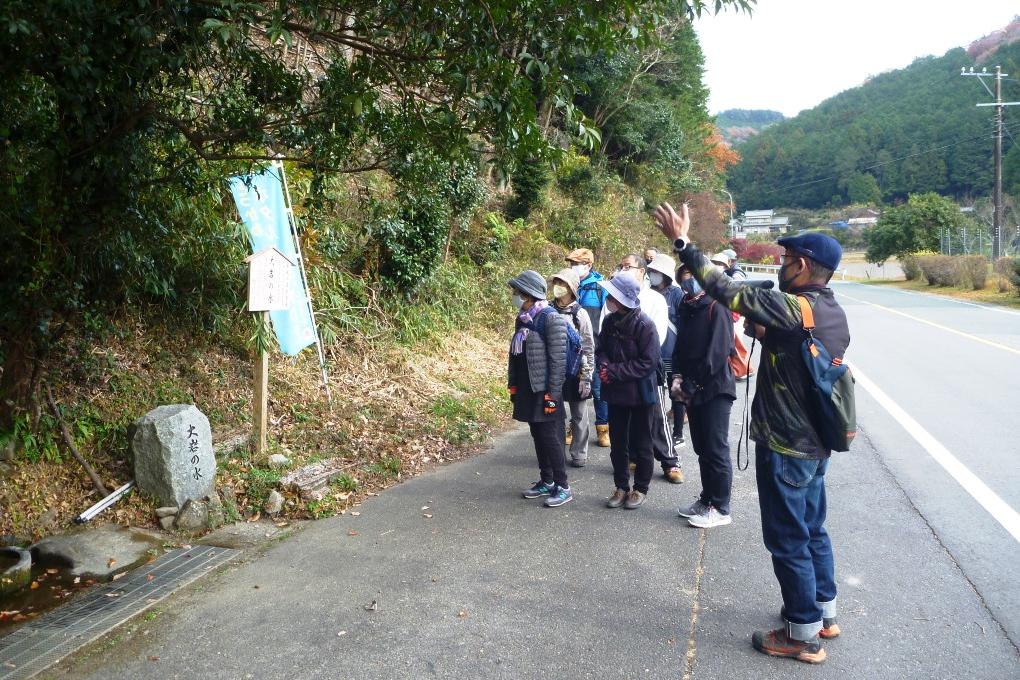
580, 269
560, 292
518, 300
655, 278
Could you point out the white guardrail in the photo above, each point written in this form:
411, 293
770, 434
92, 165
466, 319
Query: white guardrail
774, 269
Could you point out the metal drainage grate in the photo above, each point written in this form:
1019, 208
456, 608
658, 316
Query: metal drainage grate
48, 639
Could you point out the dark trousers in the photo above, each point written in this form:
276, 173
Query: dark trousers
549, 446
662, 438
791, 493
710, 434
601, 407
630, 440
679, 410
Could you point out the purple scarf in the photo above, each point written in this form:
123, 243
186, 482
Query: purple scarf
525, 322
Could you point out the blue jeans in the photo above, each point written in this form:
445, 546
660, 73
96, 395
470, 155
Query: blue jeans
791, 494
601, 407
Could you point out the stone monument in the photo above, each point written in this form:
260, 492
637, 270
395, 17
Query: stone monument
174, 460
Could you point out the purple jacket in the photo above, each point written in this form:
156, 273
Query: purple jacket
629, 348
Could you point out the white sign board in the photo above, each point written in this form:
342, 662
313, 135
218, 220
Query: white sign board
269, 276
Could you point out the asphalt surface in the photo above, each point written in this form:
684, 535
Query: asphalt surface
470, 580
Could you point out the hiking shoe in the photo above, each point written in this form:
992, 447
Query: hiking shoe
695, 508
778, 643
632, 466
830, 629
560, 496
538, 490
603, 435
617, 499
674, 475
570, 437
578, 462
634, 500
708, 519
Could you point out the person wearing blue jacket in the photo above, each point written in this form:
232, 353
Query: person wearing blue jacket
592, 297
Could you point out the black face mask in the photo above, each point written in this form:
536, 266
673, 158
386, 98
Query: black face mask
784, 283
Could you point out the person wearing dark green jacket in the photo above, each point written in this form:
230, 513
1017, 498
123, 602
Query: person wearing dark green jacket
790, 458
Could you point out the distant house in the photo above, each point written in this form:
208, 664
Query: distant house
864, 218
761, 222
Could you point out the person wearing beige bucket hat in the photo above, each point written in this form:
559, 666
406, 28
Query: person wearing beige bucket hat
576, 390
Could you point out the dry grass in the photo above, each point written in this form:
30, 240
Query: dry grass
397, 411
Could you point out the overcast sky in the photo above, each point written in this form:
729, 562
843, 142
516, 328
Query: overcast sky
790, 55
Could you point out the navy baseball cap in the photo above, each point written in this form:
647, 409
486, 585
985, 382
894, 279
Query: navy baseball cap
821, 248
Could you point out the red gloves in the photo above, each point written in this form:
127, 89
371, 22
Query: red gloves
548, 404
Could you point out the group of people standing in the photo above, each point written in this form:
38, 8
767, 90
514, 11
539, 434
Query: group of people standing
650, 343
656, 337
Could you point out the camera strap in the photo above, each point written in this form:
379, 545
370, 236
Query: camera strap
744, 438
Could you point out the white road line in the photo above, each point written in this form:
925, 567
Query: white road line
944, 298
1000, 511
969, 336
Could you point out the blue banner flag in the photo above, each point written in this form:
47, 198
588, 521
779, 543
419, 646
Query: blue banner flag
260, 201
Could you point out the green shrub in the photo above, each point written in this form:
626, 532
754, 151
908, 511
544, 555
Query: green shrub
971, 270
582, 183
528, 180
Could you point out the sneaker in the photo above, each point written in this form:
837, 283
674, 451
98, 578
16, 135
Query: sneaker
617, 499
538, 490
578, 462
777, 643
674, 475
695, 508
634, 500
632, 466
708, 519
560, 496
830, 629
679, 442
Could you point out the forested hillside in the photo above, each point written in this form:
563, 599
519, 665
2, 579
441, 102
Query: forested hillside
738, 125
907, 131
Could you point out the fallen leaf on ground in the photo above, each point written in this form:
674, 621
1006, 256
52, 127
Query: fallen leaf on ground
462, 614
352, 532
427, 516
150, 577
256, 517
113, 594
110, 563
19, 617
355, 514
77, 580
120, 575
341, 633
34, 586
153, 658
372, 607
424, 507
9, 664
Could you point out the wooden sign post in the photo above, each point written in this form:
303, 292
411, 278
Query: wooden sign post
269, 276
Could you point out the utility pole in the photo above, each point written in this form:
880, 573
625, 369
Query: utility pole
997, 190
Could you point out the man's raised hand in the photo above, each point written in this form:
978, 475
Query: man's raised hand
671, 224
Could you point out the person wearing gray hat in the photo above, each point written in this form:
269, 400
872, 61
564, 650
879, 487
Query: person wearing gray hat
576, 390
536, 370
627, 360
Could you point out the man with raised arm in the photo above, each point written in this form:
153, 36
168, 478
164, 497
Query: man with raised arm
790, 458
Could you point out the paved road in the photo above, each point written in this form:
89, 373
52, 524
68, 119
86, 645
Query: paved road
492, 586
